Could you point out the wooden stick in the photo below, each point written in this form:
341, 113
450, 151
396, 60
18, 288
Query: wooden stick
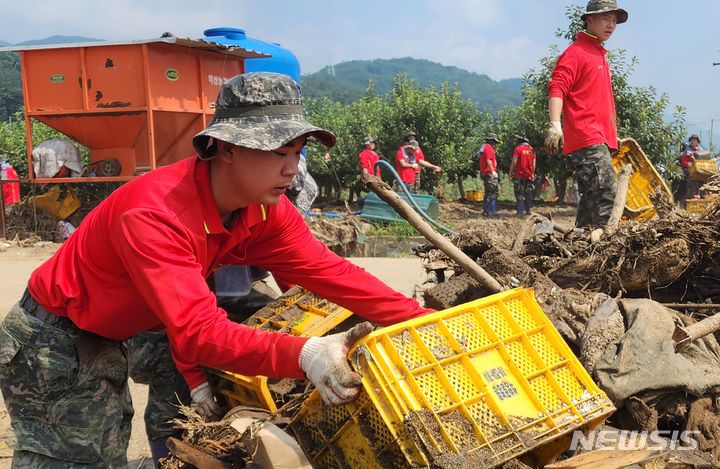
684, 335
691, 305
404, 210
620, 199
194, 456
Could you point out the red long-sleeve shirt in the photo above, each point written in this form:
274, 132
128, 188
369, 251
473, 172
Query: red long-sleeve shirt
368, 158
582, 79
139, 262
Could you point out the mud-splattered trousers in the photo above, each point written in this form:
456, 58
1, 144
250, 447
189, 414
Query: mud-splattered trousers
65, 390
597, 183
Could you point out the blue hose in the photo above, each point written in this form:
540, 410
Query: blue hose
411, 199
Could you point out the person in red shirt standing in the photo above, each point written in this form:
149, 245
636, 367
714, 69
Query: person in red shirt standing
686, 160
409, 159
580, 90
139, 262
11, 191
522, 171
489, 175
368, 157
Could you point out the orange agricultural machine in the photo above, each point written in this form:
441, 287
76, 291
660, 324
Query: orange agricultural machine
137, 102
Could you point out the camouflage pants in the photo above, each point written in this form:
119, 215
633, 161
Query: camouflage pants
524, 189
597, 183
490, 187
151, 363
65, 391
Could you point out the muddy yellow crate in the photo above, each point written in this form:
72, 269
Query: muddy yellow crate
699, 206
644, 182
299, 312
480, 383
475, 196
702, 170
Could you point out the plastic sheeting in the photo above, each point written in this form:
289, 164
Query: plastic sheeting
51, 155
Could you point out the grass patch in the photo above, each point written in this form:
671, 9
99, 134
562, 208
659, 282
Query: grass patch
398, 230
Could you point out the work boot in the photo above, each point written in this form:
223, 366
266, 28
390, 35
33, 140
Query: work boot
528, 206
520, 204
493, 207
486, 208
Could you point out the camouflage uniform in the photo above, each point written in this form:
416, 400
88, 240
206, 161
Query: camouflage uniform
65, 391
151, 364
490, 188
304, 189
597, 183
524, 189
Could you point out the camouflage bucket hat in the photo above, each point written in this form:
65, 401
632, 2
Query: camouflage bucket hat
413, 143
368, 141
604, 6
260, 111
491, 137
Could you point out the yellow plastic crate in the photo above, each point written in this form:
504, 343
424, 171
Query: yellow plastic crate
700, 206
486, 381
644, 181
299, 312
475, 196
702, 170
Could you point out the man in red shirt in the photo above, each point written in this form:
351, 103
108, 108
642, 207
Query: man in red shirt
139, 261
686, 160
489, 175
522, 171
368, 157
580, 89
409, 159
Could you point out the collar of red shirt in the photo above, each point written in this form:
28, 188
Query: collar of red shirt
254, 214
586, 38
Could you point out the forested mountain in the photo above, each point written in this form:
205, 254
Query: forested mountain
348, 81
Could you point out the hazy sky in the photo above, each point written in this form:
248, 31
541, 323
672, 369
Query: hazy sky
675, 43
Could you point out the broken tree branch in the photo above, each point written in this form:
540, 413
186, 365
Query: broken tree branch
404, 210
684, 335
620, 199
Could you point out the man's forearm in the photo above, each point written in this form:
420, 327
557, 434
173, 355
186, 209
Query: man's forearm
555, 109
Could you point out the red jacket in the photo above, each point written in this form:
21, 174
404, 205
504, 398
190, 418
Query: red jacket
139, 262
487, 159
524, 156
368, 158
582, 79
407, 175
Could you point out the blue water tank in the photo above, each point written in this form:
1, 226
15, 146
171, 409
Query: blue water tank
281, 60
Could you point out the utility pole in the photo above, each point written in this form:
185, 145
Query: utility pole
712, 121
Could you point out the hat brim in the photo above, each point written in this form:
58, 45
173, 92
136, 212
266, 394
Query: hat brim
266, 135
622, 15
492, 139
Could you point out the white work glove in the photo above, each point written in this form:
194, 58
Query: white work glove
494, 175
324, 361
204, 403
554, 138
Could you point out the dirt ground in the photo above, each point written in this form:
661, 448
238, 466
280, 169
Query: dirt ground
17, 263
